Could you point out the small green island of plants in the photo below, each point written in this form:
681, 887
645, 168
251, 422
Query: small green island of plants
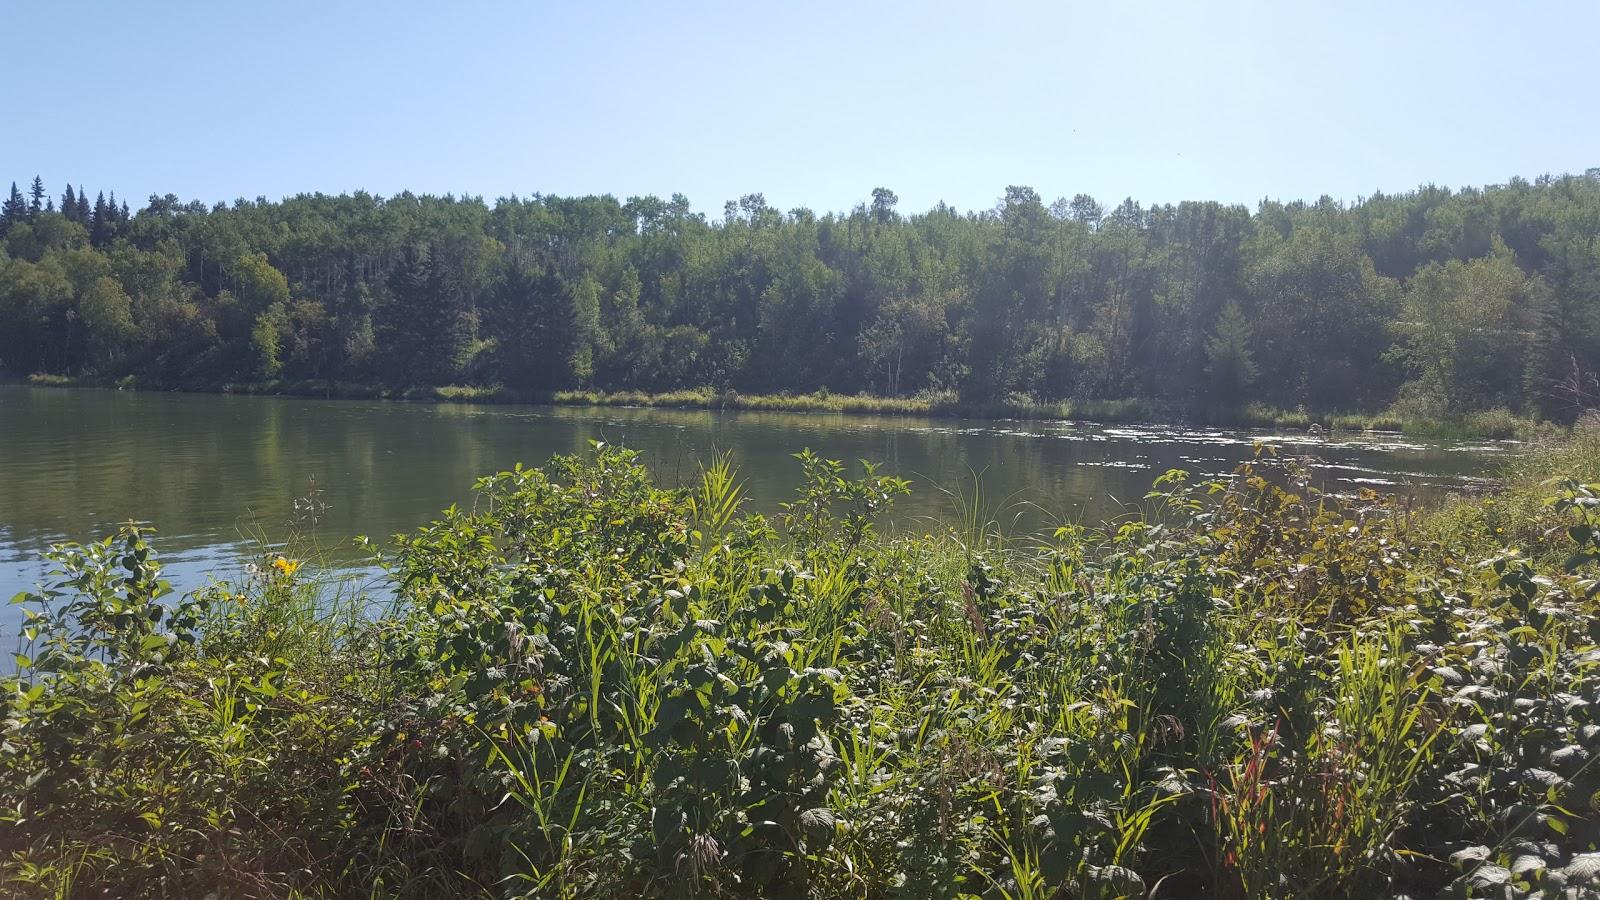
586, 685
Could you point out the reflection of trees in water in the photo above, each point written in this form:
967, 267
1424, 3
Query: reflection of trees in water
202, 467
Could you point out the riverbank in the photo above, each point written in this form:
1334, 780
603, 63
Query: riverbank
592, 687
1489, 424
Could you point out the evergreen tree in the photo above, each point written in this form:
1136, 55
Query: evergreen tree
82, 214
1229, 361
540, 327
883, 203
36, 206
13, 211
69, 204
101, 224
425, 330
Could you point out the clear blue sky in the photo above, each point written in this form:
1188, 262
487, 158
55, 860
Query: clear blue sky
811, 103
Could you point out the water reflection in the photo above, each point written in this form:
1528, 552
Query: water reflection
216, 472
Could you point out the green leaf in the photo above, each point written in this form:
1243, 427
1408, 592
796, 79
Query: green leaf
1462, 859
818, 825
1489, 876
1527, 863
1583, 867
1119, 881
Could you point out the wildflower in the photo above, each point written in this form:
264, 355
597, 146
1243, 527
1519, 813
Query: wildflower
286, 566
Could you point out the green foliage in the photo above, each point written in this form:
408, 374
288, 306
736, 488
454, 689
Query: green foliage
1426, 307
267, 342
1230, 363
1476, 332
167, 736
257, 284
591, 686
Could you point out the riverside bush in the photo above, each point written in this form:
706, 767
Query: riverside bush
588, 685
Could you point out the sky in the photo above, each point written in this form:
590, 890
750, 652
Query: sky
812, 104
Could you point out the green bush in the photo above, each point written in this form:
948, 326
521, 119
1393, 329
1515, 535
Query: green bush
592, 686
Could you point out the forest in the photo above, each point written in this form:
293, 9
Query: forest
1430, 305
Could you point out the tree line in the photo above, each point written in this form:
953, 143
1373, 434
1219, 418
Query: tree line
1434, 302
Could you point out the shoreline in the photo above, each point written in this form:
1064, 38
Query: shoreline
1491, 426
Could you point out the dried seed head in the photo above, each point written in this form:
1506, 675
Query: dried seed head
700, 858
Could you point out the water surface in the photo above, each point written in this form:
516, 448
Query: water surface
216, 474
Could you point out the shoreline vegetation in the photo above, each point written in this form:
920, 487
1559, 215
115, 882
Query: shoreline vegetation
1493, 424
589, 686
1465, 311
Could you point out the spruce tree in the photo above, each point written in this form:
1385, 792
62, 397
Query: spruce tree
13, 211
82, 216
37, 193
69, 204
539, 328
1231, 364
100, 224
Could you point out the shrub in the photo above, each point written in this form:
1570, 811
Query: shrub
592, 686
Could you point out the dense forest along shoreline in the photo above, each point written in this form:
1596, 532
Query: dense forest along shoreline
1464, 311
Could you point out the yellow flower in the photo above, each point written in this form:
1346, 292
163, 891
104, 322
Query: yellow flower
285, 565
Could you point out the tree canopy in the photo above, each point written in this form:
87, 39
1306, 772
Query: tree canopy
1445, 301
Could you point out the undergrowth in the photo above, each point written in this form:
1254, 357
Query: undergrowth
591, 686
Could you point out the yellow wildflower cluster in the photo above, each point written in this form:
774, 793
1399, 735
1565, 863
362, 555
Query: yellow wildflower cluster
286, 566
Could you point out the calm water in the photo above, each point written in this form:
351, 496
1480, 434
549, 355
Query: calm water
214, 473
